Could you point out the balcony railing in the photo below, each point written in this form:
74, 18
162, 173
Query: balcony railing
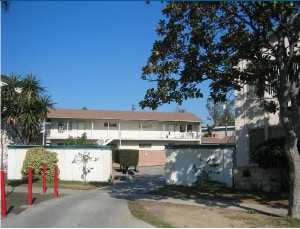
123, 134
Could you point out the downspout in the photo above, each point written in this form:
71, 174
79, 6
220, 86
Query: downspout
200, 131
92, 132
120, 135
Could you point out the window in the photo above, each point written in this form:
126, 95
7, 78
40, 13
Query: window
145, 125
276, 132
61, 126
70, 126
189, 128
256, 137
110, 124
182, 128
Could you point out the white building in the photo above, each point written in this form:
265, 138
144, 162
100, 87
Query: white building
253, 124
148, 132
130, 129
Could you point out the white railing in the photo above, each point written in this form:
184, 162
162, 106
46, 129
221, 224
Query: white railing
104, 135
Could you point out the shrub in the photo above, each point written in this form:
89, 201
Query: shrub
82, 159
77, 141
129, 157
126, 158
36, 157
270, 154
116, 156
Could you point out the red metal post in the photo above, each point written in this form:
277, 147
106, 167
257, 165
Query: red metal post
3, 196
30, 186
44, 177
55, 181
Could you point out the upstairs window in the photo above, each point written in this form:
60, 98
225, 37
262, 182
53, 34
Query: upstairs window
186, 128
61, 126
110, 124
182, 128
70, 126
145, 125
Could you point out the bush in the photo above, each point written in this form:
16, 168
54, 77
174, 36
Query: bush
270, 154
126, 158
129, 157
79, 141
116, 156
36, 157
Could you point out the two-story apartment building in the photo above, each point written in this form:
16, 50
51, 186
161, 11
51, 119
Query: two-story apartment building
254, 125
148, 132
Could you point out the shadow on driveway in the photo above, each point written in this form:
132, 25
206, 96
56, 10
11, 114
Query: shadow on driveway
139, 183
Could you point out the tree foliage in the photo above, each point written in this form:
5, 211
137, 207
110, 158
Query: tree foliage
222, 114
203, 41
79, 141
5, 5
230, 44
24, 107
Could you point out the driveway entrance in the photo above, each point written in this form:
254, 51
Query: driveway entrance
148, 178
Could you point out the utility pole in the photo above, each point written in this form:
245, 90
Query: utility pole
225, 113
133, 107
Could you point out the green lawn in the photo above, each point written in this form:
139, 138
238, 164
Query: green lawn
80, 185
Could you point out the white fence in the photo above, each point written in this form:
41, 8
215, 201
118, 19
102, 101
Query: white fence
101, 168
185, 162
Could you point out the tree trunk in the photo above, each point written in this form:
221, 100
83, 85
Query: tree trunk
294, 172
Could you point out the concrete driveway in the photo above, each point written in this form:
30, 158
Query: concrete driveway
99, 208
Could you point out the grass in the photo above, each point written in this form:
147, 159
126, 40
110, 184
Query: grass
76, 185
138, 211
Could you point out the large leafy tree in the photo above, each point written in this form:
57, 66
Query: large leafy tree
207, 41
24, 108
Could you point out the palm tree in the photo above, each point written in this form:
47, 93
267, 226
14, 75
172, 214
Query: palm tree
24, 109
11, 106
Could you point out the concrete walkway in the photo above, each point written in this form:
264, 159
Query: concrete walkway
82, 209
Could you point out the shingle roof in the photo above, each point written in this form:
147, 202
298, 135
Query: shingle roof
209, 140
121, 115
228, 139
212, 140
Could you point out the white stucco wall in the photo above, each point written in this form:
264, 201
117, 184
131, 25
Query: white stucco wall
101, 172
249, 115
180, 161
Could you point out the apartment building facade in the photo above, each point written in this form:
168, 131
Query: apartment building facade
147, 132
253, 124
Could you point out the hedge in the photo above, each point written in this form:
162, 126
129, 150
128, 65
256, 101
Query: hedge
126, 158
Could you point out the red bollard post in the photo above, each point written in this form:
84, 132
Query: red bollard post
30, 186
3, 196
55, 181
44, 177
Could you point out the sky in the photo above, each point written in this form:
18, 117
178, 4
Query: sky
86, 54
